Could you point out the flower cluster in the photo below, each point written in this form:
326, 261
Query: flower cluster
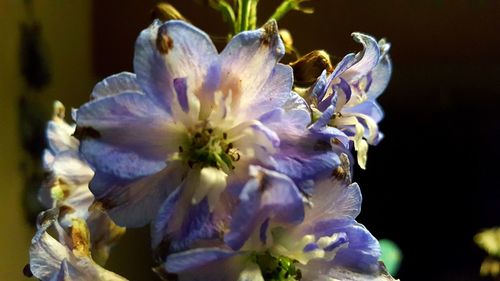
85, 233
240, 177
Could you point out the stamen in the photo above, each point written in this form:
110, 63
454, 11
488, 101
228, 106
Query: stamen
209, 147
234, 154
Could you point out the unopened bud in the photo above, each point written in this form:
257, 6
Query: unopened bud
165, 12
309, 67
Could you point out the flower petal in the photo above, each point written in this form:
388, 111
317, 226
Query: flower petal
251, 273
334, 199
369, 108
292, 118
46, 253
319, 89
380, 77
268, 195
366, 59
306, 157
107, 159
349, 275
59, 136
128, 120
159, 228
69, 166
248, 61
124, 82
135, 202
171, 50
275, 92
51, 260
322, 270
196, 226
192, 259
180, 85
363, 250
206, 264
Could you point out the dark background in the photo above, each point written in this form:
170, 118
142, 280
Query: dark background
431, 184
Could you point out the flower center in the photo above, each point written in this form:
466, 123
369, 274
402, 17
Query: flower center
209, 147
278, 268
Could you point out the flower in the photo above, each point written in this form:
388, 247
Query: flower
182, 132
67, 187
67, 259
346, 98
327, 244
70, 175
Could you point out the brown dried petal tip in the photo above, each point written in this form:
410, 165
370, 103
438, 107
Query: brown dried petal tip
270, 32
164, 43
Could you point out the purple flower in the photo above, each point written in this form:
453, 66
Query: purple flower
328, 244
180, 135
346, 98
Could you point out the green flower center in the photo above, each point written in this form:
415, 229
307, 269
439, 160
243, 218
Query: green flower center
277, 268
207, 147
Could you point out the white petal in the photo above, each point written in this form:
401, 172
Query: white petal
251, 273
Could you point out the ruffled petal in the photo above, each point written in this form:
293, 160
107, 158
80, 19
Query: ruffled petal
333, 199
291, 118
275, 92
248, 61
380, 77
366, 59
171, 50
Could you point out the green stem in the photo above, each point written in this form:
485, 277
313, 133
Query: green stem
253, 15
227, 13
244, 7
289, 5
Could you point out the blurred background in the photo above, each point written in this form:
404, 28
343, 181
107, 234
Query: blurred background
431, 184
